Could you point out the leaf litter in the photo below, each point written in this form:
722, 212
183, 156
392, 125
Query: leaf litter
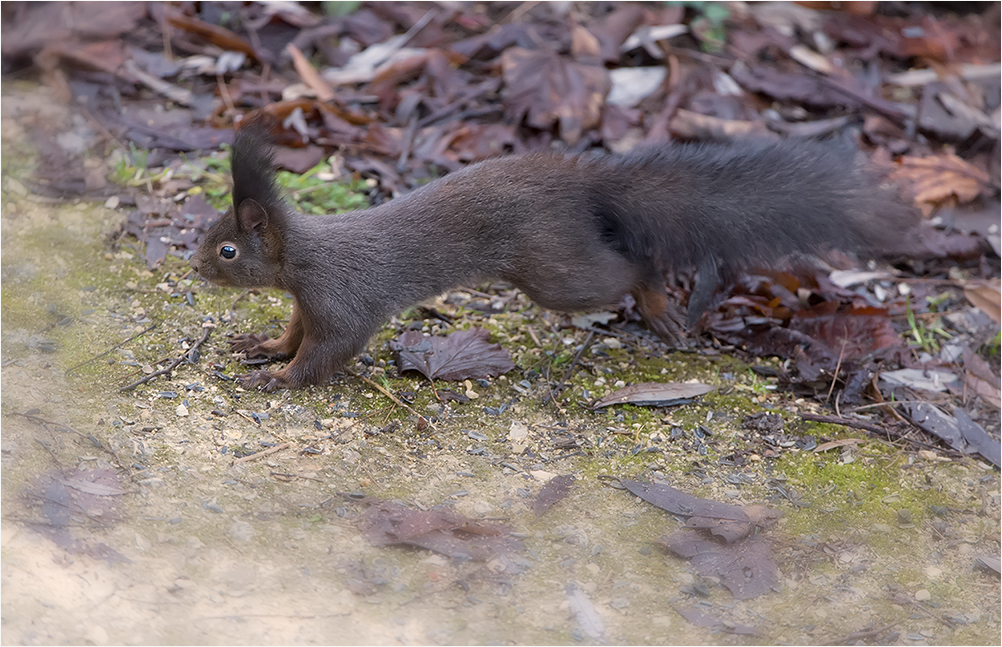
720, 539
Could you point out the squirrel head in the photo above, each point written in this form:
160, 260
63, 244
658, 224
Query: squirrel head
246, 246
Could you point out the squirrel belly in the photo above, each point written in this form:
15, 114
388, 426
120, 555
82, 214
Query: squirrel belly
573, 233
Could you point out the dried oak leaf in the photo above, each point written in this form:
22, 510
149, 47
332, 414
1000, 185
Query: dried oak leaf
438, 529
744, 567
463, 355
547, 88
854, 332
936, 178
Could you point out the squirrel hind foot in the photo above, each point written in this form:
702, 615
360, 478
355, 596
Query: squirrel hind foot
267, 380
662, 316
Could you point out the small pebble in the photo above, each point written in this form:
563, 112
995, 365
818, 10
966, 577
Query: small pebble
923, 595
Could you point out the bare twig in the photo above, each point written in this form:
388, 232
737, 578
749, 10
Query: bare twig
116, 346
174, 364
572, 367
874, 429
261, 454
397, 401
838, 365
865, 633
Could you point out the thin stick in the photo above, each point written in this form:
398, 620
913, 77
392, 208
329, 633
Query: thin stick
887, 403
224, 92
865, 633
838, 365
174, 364
574, 363
397, 401
232, 311
255, 456
93, 439
115, 347
886, 433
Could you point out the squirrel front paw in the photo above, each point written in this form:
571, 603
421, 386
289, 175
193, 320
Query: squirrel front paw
267, 380
254, 346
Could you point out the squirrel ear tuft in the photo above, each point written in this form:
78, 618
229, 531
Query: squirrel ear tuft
251, 216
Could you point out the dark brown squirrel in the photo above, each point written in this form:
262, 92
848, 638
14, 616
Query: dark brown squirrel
573, 233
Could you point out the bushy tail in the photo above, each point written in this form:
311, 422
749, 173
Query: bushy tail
737, 204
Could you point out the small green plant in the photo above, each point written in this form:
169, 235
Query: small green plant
991, 347
336, 9
709, 25
315, 194
130, 169
926, 335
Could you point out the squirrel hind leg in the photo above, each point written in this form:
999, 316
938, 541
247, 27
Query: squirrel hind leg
661, 315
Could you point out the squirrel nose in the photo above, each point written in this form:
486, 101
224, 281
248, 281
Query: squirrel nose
194, 264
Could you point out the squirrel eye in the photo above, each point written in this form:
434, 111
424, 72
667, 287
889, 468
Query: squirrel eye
229, 252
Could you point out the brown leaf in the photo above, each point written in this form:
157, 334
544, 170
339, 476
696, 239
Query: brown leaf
47, 23
682, 503
692, 125
936, 178
655, 394
986, 297
309, 75
612, 30
554, 490
853, 333
979, 377
546, 88
465, 354
215, 34
744, 567
298, 160
438, 529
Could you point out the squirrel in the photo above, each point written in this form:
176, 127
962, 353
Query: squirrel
572, 232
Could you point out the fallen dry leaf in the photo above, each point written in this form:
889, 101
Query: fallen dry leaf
985, 295
546, 89
979, 377
438, 529
463, 355
655, 394
554, 490
745, 567
934, 179
823, 447
309, 74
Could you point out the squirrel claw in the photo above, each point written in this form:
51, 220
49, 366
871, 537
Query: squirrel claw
267, 380
247, 343
253, 346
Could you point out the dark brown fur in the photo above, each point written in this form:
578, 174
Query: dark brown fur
574, 233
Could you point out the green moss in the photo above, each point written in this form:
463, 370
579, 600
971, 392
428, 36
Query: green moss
866, 491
